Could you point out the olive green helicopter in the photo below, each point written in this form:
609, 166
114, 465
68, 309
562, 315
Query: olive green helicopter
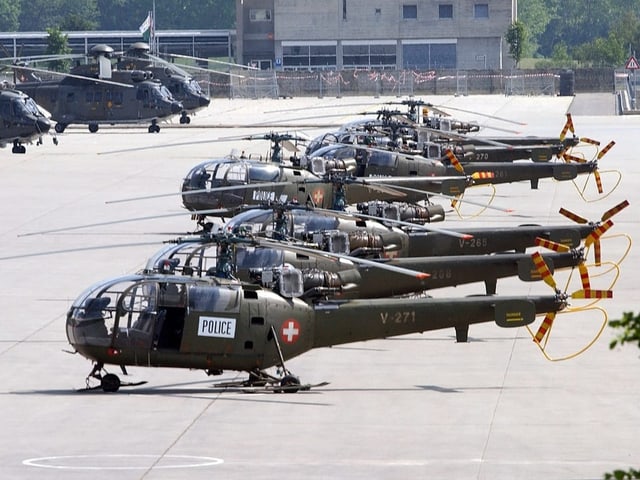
217, 322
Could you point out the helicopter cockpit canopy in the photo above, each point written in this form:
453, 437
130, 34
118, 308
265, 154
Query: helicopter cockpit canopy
229, 171
300, 221
28, 106
132, 311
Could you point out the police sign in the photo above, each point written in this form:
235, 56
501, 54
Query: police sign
220, 327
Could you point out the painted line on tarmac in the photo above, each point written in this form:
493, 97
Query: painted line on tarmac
84, 462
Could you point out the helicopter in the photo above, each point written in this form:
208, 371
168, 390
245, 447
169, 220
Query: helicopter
182, 86
378, 162
260, 260
22, 120
390, 237
231, 183
94, 94
216, 324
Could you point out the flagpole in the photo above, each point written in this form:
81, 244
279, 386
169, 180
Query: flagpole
154, 44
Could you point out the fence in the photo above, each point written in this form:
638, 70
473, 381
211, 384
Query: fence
339, 83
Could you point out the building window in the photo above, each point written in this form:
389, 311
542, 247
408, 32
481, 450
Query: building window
445, 10
260, 15
409, 12
368, 56
429, 55
481, 10
309, 56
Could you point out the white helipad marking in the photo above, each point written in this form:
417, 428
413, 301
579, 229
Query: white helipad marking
67, 462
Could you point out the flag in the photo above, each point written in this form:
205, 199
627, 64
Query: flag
146, 24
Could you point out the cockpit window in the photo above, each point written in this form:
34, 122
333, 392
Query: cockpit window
382, 159
220, 300
335, 152
142, 298
162, 92
263, 173
251, 217
31, 107
233, 173
258, 257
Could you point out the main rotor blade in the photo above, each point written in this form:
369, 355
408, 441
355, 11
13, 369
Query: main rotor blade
127, 220
494, 117
248, 67
417, 226
197, 69
202, 190
405, 271
79, 249
81, 77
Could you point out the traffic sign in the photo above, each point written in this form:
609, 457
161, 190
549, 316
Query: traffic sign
632, 63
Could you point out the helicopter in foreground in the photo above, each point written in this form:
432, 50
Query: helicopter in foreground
22, 120
215, 324
94, 94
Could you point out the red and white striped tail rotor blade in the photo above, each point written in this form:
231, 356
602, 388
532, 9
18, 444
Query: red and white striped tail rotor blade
543, 270
591, 294
612, 211
607, 147
572, 216
551, 245
544, 327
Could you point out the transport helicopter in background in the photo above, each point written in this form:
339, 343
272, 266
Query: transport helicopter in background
183, 87
22, 120
95, 94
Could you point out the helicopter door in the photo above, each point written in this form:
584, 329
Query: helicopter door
143, 95
256, 339
170, 319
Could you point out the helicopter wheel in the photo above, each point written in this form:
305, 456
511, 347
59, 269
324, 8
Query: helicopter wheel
290, 383
185, 119
55, 141
17, 148
110, 383
154, 128
93, 127
60, 127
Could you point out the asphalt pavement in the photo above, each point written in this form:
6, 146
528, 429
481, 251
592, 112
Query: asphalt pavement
417, 406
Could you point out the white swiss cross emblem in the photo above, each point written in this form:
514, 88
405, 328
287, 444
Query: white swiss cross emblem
290, 331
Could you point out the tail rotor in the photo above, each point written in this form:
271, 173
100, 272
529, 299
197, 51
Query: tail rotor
542, 335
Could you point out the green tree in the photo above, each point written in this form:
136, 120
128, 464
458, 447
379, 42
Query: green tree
535, 15
10, 15
515, 37
170, 14
602, 52
628, 331
628, 328
43, 14
58, 44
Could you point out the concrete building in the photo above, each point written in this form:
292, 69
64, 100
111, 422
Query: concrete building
374, 34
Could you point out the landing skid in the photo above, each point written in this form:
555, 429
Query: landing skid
260, 381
